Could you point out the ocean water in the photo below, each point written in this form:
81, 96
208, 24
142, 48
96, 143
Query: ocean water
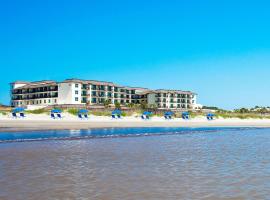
136, 163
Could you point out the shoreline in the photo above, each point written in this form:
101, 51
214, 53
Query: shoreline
30, 124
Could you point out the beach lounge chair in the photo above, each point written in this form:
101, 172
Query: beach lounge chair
210, 116
59, 115
80, 116
14, 115
185, 117
119, 116
86, 116
52, 116
22, 115
113, 116
142, 117
169, 117
147, 117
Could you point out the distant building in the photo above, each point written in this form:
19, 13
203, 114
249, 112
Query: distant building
90, 92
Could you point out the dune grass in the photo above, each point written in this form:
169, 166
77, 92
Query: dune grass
3, 112
37, 111
101, 113
72, 111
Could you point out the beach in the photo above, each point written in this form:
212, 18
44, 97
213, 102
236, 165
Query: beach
44, 122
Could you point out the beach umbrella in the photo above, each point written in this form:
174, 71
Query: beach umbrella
185, 113
18, 109
83, 111
169, 113
56, 111
147, 113
210, 115
116, 112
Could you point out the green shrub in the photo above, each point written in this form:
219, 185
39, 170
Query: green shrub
38, 111
3, 113
101, 113
73, 111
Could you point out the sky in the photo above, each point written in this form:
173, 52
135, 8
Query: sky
218, 49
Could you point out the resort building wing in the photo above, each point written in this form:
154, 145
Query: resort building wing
96, 93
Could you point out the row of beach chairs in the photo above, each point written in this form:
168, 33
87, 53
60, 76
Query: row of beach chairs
56, 116
20, 115
116, 114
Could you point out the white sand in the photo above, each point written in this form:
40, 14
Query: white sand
44, 122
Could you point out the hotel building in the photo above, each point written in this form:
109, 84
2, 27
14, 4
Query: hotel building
95, 93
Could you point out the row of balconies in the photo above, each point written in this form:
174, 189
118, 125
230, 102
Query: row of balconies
175, 95
173, 106
164, 101
101, 100
34, 97
35, 90
108, 88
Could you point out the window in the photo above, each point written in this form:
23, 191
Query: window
76, 92
84, 100
76, 99
45, 101
55, 101
76, 85
49, 101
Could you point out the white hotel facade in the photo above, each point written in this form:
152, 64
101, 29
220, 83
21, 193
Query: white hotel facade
95, 93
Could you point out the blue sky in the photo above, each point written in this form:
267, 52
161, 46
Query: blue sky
219, 49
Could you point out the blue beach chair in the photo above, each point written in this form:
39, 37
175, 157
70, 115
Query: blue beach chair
116, 114
146, 115
14, 115
22, 115
185, 115
210, 116
80, 116
52, 116
168, 115
83, 114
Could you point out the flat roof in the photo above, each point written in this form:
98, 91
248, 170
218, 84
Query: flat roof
75, 80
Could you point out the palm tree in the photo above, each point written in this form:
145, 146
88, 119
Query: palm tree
130, 105
117, 105
143, 105
107, 103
